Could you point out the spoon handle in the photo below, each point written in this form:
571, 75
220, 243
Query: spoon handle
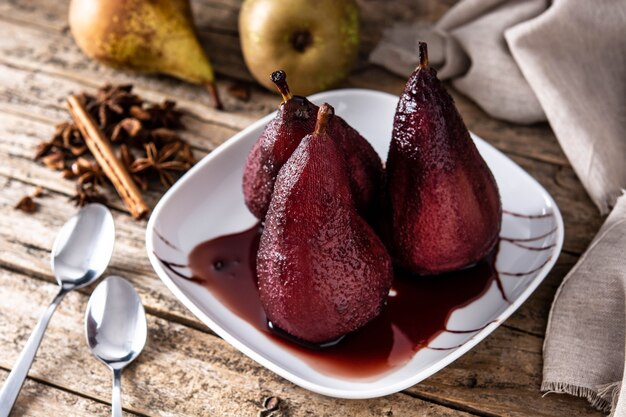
16, 378
116, 403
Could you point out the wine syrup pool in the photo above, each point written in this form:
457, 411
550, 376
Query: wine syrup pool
417, 310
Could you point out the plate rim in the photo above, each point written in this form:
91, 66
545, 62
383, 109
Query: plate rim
364, 393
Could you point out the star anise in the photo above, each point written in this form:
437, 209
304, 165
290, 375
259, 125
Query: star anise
142, 132
161, 162
165, 115
112, 103
186, 154
44, 148
66, 139
161, 136
127, 158
73, 140
129, 130
88, 172
87, 193
141, 114
54, 160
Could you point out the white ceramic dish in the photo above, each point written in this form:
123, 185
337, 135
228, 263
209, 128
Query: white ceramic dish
208, 202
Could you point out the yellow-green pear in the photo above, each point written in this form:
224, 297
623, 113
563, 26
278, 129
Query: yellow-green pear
314, 41
153, 36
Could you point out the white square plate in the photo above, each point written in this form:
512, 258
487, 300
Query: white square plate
208, 202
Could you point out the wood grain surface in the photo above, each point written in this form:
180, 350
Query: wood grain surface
186, 370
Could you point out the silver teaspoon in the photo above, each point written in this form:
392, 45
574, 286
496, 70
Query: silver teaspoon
116, 330
80, 254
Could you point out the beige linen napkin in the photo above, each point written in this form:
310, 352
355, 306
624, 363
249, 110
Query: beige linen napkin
523, 61
584, 349
564, 60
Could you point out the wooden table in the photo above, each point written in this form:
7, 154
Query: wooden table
186, 370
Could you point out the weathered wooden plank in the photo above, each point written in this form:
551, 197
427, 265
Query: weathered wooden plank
182, 372
22, 135
18, 142
509, 388
201, 135
57, 54
40, 75
25, 253
29, 252
24, 88
41, 400
216, 21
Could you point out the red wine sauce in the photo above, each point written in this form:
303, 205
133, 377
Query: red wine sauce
417, 310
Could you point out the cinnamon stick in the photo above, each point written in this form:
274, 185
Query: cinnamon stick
100, 147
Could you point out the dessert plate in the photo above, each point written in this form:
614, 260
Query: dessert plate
207, 202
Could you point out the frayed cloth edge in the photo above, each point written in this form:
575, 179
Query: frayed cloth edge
613, 390
596, 401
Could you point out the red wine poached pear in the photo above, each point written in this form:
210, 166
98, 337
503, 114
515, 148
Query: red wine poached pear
417, 310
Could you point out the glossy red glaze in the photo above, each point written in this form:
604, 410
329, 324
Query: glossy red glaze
417, 312
322, 271
296, 119
443, 209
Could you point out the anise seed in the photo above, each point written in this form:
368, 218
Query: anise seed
42, 149
139, 113
81, 165
54, 160
38, 191
165, 135
27, 205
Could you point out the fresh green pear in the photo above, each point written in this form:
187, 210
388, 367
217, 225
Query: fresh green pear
315, 42
153, 36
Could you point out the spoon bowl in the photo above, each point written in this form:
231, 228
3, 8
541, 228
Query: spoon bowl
83, 247
80, 254
115, 328
115, 323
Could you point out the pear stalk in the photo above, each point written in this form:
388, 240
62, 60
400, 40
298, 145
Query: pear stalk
423, 55
279, 78
323, 116
215, 96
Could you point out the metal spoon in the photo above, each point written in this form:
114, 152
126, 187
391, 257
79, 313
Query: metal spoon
116, 330
80, 254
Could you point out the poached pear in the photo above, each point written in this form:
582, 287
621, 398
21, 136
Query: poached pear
443, 206
152, 36
322, 271
296, 118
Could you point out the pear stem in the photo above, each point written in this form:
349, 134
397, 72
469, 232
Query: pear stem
324, 114
217, 103
279, 78
423, 54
